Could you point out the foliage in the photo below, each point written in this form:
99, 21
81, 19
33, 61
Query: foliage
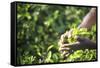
39, 28
82, 32
82, 55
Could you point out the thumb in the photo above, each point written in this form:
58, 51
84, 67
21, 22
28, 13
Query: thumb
70, 33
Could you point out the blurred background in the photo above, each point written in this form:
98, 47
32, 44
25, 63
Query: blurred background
39, 28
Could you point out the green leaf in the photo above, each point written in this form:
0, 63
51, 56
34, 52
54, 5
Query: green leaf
51, 46
48, 56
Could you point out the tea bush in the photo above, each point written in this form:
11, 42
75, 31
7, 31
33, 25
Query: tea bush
39, 28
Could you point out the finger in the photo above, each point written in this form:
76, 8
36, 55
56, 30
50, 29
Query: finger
65, 54
70, 45
66, 34
68, 53
65, 45
64, 49
70, 33
62, 38
60, 43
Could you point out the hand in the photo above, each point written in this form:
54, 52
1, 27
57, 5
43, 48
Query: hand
81, 44
62, 42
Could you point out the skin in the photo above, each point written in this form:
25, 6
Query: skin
88, 21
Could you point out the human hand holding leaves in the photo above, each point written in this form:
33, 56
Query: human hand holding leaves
74, 42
